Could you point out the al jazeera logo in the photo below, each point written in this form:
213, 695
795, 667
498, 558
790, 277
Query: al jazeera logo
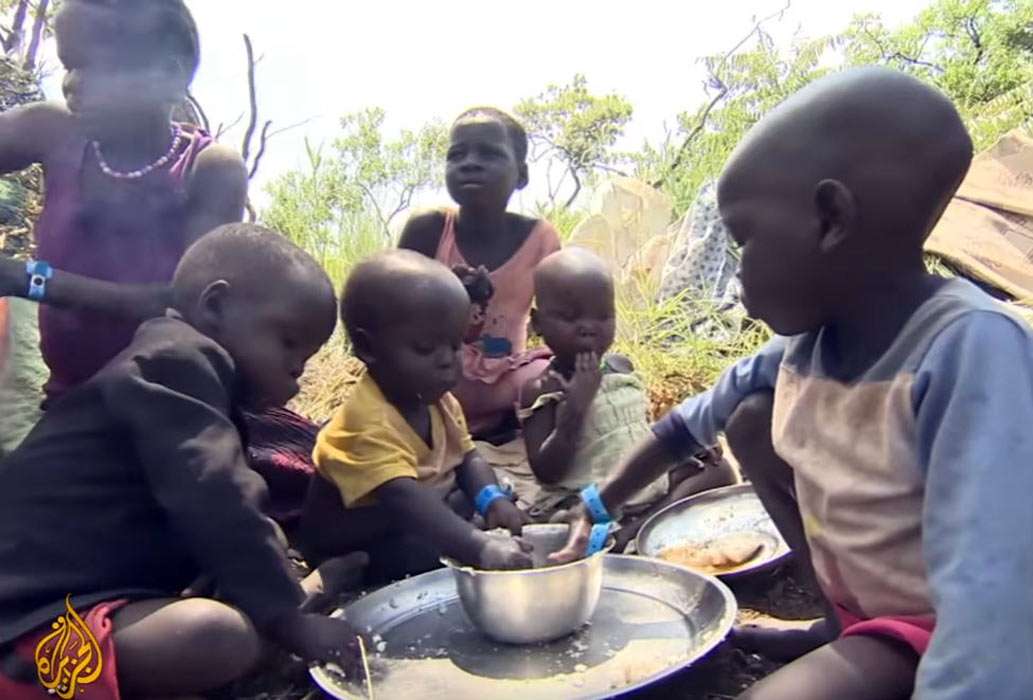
69, 658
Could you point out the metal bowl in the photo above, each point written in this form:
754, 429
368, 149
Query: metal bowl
530, 606
706, 516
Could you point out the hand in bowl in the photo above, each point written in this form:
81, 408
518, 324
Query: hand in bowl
503, 513
577, 542
504, 553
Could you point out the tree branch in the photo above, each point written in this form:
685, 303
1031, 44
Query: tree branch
245, 149
718, 82
38, 28
264, 139
977, 40
577, 187
16, 34
225, 128
200, 112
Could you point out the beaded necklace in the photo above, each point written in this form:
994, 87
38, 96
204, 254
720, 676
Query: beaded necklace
177, 139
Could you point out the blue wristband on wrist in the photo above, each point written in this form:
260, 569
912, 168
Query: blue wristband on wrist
598, 538
39, 272
594, 503
488, 495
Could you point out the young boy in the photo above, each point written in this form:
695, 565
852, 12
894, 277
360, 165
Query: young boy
135, 483
588, 407
394, 453
902, 402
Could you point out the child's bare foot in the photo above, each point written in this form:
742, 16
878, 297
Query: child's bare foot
782, 644
331, 578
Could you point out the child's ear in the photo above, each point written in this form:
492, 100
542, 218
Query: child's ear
211, 307
837, 212
522, 177
362, 346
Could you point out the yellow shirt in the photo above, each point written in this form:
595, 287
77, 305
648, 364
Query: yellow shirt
368, 443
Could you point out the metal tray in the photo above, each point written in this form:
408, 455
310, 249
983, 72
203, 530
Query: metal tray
653, 619
706, 516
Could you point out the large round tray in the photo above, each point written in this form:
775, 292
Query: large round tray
653, 619
705, 516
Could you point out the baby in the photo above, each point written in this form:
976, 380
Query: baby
399, 473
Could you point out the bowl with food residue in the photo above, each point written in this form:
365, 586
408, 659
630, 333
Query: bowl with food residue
530, 606
724, 532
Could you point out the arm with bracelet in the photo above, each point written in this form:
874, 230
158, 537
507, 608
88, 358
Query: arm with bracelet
492, 502
690, 427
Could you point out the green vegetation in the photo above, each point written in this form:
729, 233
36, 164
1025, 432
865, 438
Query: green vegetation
342, 207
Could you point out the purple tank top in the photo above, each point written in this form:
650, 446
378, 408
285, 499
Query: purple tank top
75, 344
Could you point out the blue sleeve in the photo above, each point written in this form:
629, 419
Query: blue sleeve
697, 422
974, 407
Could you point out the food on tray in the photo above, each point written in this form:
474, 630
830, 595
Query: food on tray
717, 556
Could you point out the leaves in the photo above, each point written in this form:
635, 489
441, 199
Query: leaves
569, 124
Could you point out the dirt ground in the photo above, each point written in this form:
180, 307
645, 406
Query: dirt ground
775, 598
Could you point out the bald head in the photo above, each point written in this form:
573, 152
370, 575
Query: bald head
258, 264
897, 144
388, 287
571, 266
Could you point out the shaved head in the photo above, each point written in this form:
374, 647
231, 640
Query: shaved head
257, 262
388, 285
895, 142
570, 265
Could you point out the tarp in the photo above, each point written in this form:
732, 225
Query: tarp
987, 230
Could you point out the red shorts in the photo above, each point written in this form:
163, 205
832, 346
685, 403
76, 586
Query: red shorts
913, 630
105, 687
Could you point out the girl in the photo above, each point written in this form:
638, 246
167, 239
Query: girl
127, 190
486, 163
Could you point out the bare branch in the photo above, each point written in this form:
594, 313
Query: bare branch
577, 187
225, 128
376, 205
200, 112
16, 34
245, 149
38, 28
263, 139
718, 83
404, 200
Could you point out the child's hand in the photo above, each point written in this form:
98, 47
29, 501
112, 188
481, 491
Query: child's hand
477, 282
13, 280
585, 382
504, 513
318, 638
577, 542
504, 553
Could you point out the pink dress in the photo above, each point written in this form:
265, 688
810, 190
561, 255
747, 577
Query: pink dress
496, 362
75, 344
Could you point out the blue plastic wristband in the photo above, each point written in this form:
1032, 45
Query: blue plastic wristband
39, 272
598, 538
488, 495
594, 502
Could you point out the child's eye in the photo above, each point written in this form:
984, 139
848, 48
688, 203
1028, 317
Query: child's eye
423, 349
454, 154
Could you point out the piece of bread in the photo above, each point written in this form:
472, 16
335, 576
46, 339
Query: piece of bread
717, 556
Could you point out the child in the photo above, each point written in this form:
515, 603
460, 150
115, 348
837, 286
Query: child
394, 453
587, 408
126, 189
901, 406
135, 484
486, 163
